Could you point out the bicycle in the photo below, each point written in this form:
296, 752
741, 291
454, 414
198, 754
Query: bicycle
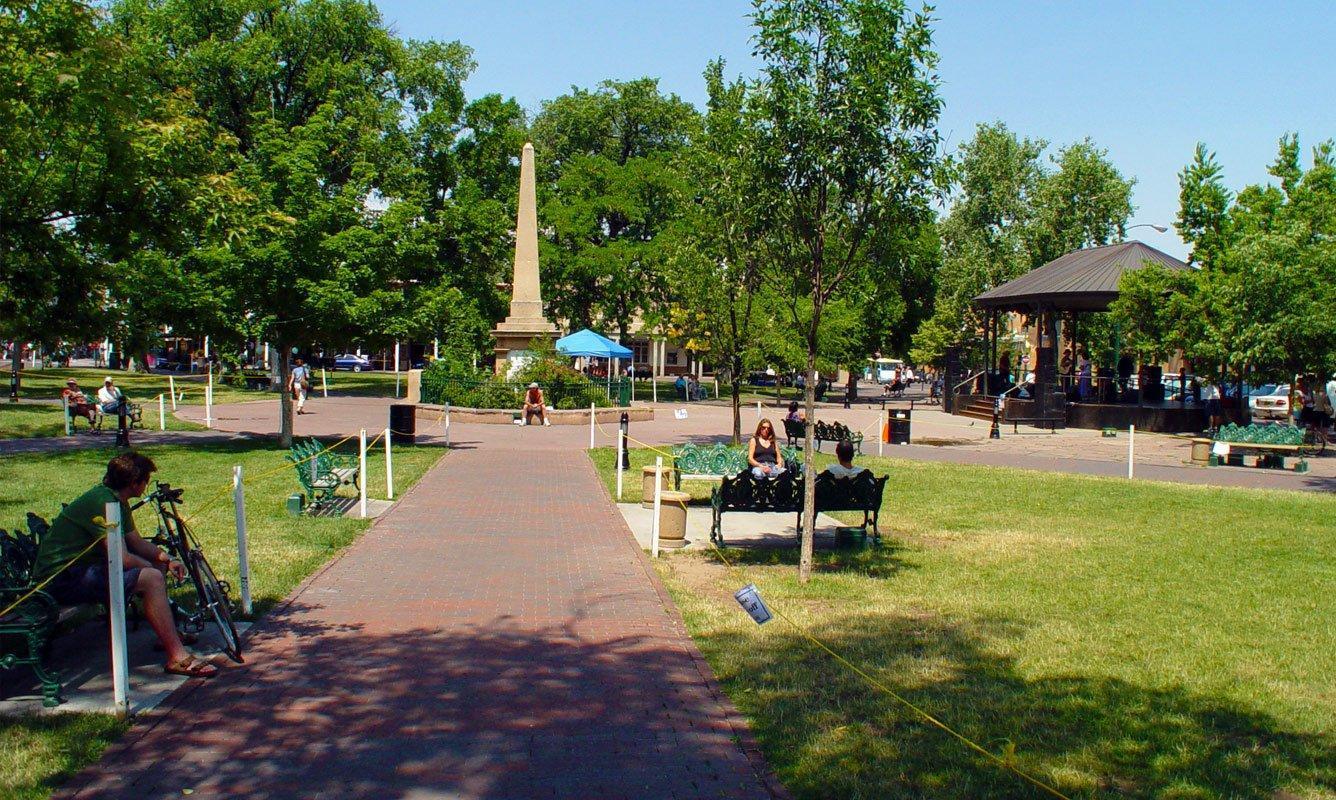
211, 603
1315, 441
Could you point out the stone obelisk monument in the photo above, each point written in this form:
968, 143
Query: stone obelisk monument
526, 321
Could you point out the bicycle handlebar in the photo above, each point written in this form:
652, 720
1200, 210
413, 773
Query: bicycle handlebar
164, 493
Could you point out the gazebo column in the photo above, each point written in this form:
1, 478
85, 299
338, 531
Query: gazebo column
1048, 397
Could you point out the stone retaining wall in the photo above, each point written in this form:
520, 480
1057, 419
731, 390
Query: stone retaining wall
501, 416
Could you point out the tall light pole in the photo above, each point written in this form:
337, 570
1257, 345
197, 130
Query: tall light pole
1159, 228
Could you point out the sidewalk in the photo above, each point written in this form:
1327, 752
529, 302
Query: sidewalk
493, 636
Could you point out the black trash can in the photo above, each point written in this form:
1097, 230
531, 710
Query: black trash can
897, 425
403, 423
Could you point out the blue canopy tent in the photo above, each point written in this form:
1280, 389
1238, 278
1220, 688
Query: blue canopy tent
592, 345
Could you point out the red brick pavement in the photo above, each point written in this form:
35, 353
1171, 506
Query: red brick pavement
493, 636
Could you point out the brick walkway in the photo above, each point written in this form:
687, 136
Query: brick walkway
491, 637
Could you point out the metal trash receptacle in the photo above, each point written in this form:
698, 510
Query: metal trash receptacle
897, 425
403, 423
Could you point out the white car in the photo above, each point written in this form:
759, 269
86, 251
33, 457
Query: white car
1271, 406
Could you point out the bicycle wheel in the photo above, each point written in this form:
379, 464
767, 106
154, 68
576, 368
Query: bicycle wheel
213, 599
1314, 443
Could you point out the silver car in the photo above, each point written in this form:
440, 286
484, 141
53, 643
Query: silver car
1271, 406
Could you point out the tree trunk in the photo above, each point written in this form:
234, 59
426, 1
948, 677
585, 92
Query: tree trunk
809, 482
737, 410
285, 397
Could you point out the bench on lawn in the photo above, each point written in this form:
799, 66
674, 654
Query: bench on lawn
1272, 444
718, 461
27, 630
321, 471
795, 430
836, 432
746, 493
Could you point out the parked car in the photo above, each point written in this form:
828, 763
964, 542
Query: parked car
1271, 406
761, 379
352, 362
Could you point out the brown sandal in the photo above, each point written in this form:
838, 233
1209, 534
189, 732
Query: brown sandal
191, 667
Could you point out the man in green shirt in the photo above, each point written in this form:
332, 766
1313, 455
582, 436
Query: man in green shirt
73, 555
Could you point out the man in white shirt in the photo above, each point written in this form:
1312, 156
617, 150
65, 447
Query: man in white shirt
109, 397
844, 452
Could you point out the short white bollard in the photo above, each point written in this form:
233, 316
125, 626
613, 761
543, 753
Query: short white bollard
361, 470
591, 426
654, 387
65, 410
396, 370
243, 556
324, 384
716, 387
389, 467
447, 426
1131, 444
171, 389
620, 444
162, 413
758, 409
881, 436
208, 394
658, 504
120, 661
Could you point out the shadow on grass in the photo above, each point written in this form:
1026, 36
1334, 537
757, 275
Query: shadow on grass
829, 734
485, 708
829, 554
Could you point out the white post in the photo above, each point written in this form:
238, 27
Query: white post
65, 409
447, 426
361, 464
658, 504
162, 413
633, 381
881, 436
620, 444
758, 409
120, 662
324, 384
396, 369
1131, 444
591, 426
171, 386
266, 355
716, 387
243, 556
654, 382
389, 467
208, 400
435, 349
206, 348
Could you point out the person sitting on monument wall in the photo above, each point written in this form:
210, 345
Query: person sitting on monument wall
534, 405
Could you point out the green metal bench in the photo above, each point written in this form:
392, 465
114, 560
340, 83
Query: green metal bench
321, 472
718, 461
836, 432
26, 631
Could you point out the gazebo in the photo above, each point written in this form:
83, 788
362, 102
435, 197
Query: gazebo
1080, 281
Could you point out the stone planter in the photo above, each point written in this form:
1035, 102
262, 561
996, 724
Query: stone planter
647, 484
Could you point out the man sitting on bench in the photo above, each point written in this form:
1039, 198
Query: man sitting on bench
534, 404
78, 569
844, 453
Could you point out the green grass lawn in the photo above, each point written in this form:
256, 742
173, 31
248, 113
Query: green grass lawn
1129, 639
24, 420
37, 753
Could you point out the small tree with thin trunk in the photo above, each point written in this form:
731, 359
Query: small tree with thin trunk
846, 112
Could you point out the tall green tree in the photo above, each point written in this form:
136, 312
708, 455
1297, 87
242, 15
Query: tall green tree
608, 186
846, 110
336, 122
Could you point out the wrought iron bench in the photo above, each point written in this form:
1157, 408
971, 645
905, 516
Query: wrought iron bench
321, 472
717, 461
744, 492
836, 432
795, 431
26, 631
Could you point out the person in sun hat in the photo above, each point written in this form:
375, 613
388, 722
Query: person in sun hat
534, 404
78, 403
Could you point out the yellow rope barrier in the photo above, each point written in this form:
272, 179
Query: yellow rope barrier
1001, 761
34, 590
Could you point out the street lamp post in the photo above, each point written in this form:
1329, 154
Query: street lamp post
1158, 228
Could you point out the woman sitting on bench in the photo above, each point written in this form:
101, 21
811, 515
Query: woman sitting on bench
763, 452
78, 403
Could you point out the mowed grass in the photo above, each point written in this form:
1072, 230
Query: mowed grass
1128, 639
28, 419
37, 753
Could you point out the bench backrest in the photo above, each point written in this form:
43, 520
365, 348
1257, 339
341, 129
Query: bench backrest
862, 491
18, 552
720, 459
743, 491
795, 429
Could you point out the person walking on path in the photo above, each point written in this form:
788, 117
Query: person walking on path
299, 383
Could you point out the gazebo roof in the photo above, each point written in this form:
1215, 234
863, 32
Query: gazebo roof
1082, 280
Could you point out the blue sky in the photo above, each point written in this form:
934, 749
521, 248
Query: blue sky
1145, 80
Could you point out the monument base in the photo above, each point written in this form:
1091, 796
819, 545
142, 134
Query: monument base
516, 338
